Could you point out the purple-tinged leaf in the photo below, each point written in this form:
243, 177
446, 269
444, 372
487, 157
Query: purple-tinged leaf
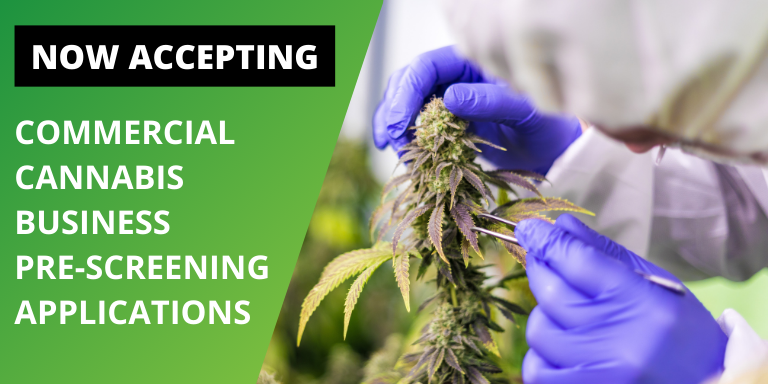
463, 219
435, 229
524, 173
515, 179
453, 125
377, 215
451, 360
440, 167
407, 221
529, 208
512, 307
401, 198
478, 140
439, 140
475, 377
420, 161
435, 362
454, 181
470, 144
507, 314
477, 183
488, 367
468, 342
457, 378
408, 156
392, 183
445, 270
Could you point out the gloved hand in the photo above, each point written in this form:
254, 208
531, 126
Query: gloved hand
600, 322
533, 140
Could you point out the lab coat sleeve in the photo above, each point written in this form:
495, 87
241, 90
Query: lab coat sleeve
746, 354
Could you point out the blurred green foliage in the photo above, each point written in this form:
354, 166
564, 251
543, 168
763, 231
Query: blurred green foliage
339, 224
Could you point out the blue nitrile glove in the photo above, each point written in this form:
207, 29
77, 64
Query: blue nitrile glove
533, 140
600, 322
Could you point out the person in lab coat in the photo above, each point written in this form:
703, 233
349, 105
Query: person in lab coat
688, 75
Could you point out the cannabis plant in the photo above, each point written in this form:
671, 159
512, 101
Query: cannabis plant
443, 202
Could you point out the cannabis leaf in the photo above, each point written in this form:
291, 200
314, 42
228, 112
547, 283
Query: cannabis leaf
477, 183
524, 173
402, 265
478, 140
454, 180
409, 218
465, 251
465, 223
393, 183
336, 272
450, 359
355, 290
377, 215
513, 178
436, 230
518, 209
475, 377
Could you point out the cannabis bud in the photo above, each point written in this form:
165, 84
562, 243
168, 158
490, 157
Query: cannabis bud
443, 196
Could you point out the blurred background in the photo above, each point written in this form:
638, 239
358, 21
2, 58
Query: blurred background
380, 326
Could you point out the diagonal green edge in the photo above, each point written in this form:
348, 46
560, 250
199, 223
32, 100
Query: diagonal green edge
255, 197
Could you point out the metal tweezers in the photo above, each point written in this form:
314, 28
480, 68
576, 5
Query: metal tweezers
658, 280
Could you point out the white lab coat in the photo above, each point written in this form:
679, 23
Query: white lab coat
693, 217
696, 69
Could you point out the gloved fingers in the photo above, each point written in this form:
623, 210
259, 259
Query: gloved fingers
380, 134
566, 347
419, 81
561, 303
487, 102
578, 229
536, 370
582, 266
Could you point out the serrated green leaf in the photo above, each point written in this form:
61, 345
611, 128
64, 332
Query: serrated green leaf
354, 293
402, 276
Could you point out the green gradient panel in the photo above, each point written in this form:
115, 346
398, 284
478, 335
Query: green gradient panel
252, 198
